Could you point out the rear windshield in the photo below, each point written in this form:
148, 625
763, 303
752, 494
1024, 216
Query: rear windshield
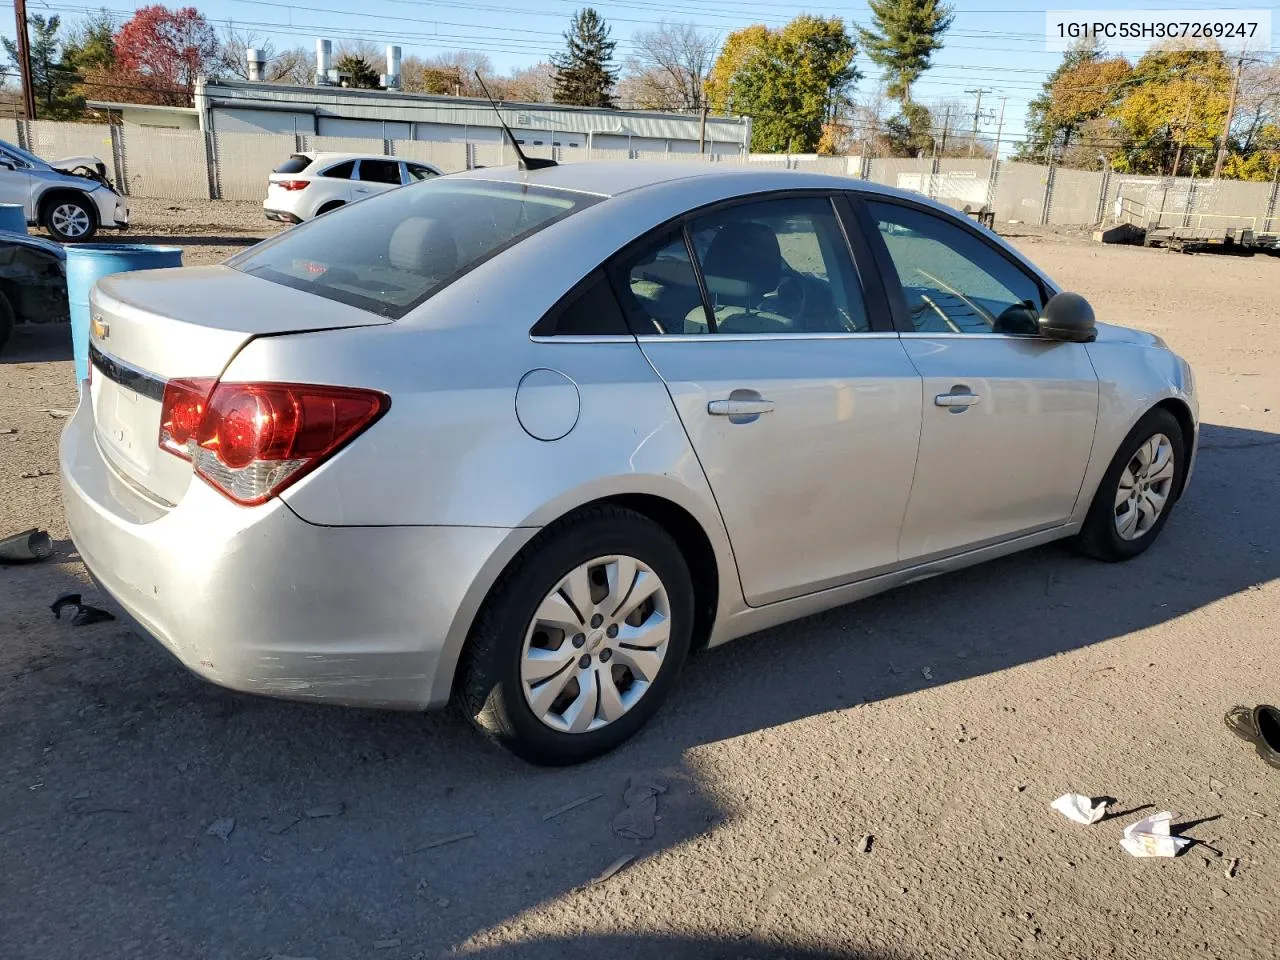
295, 164
391, 252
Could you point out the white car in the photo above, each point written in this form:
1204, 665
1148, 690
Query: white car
71, 198
309, 184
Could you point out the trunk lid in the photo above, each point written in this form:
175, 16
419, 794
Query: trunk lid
152, 326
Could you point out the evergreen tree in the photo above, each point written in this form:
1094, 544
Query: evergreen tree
362, 76
92, 45
907, 33
52, 80
585, 74
1042, 126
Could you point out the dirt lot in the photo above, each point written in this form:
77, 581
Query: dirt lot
145, 814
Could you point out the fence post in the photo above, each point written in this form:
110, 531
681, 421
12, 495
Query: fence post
1048, 193
934, 167
993, 174
24, 135
1189, 202
1100, 212
1271, 203
211, 165
118, 158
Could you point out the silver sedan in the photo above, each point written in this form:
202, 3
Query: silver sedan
525, 439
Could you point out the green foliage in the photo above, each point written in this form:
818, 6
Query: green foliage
52, 79
92, 45
905, 36
584, 73
790, 81
362, 75
909, 134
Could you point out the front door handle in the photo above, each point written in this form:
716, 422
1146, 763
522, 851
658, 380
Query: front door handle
739, 408
956, 400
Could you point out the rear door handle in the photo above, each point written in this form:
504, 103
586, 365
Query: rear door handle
739, 408
956, 399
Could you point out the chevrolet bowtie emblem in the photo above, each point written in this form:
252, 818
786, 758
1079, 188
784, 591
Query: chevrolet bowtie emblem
101, 329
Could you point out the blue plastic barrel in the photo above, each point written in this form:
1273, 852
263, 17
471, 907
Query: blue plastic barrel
13, 217
87, 263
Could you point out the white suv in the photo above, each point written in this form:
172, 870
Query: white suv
309, 184
70, 198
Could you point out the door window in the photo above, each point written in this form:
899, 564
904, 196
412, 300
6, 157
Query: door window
343, 171
658, 288
779, 266
380, 171
953, 281
418, 172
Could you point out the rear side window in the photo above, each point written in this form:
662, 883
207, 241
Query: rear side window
658, 287
419, 172
389, 253
295, 164
590, 309
380, 171
342, 171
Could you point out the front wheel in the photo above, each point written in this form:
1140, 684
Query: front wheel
582, 639
70, 219
1137, 493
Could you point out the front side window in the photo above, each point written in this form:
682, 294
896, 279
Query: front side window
391, 252
380, 171
953, 281
342, 171
779, 266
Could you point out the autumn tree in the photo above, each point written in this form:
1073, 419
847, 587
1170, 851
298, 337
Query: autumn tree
790, 81
161, 52
535, 84
1082, 88
903, 39
669, 68
52, 80
739, 47
585, 75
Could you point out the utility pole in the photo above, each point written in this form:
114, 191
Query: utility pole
702, 128
995, 154
1182, 138
24, 58
946, 125
977, 112
1226, 125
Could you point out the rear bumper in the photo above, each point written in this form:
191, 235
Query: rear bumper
281, 216
259, 600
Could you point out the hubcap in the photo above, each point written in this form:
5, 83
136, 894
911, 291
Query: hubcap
70, 220
620, 609
1145, 485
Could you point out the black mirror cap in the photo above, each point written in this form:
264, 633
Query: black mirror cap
1068, 316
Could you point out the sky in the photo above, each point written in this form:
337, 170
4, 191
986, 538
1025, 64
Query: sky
995, 45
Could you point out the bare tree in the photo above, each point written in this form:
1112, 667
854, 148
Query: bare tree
669, 68
289, 66
1258, 105
535, 84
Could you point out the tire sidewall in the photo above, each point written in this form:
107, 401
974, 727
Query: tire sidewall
518, 728
85, 205
1102, 514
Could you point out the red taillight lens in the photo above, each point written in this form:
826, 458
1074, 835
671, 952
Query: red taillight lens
252, 440
292, 184
181, 411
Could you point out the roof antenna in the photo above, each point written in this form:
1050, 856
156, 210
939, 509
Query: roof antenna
524, 163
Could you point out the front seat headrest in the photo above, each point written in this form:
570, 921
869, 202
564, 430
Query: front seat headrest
424, 246
743, 263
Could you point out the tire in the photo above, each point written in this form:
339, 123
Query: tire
493, 684
6, 320
330, 206
1101, 535
69, 218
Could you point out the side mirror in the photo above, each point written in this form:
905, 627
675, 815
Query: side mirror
1068, 316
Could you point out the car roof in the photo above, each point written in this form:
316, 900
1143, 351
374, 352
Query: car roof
611, 178
326, 157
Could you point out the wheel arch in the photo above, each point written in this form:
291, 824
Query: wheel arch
1186, 423
328, 206
53, 192
695, 543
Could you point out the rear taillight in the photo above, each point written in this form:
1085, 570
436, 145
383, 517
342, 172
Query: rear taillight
251, 440
181, 411
292, 184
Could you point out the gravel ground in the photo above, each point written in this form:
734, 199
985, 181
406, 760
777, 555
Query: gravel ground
146, 814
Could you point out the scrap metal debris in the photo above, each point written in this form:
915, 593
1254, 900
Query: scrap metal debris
638, 819
26, 547
612, 869
571, 805
83, 614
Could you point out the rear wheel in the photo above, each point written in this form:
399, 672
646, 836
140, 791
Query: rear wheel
70, 218
582, 639
1137, 493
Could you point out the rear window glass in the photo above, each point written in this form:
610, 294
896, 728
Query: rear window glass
391, 252
295, 164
